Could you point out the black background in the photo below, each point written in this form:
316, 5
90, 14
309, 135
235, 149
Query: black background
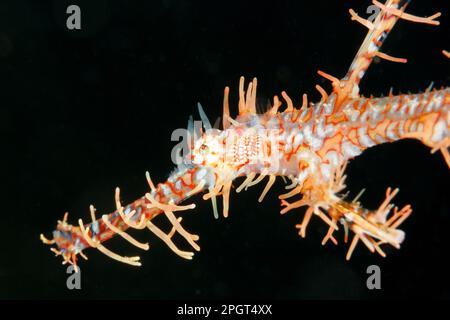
84, 111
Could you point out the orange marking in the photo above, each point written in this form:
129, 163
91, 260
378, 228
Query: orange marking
364, 106
396, 128
295, 114
280, 123
381, 128
406, 125
174, 191
302, 164
269, 148
292, 152
353, 136
372, 134
334, 119
188, 182
430, 123
447, 98
331, 143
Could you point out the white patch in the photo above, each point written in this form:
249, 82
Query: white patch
298, 139
372, 47
308, 133
304, 155
288, 148
401, 128
351, 113
363, 118
302, 176
437, 102
413, 127
350, 150
364, 139
348, 217
316, 143
330, 130
94, 227
332, 99
402, 109
332, 157
165, 189
328, 107
420, 127
394, 107
355, 89
375, 113
326, 171
390, 131
320, 128
439, 131
317, 108
429, 106
413, 104
379, 138
272, 123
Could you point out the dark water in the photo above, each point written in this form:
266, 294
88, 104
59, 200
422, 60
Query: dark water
84, 111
